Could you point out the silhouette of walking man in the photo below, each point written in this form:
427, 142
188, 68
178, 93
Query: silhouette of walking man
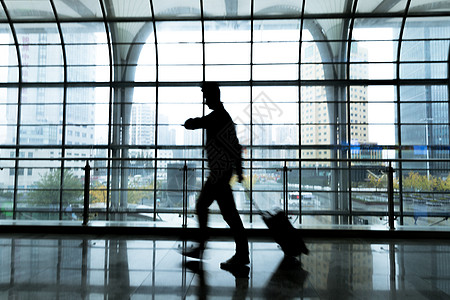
224, 155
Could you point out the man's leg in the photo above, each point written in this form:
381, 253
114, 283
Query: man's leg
204, 201
231, 216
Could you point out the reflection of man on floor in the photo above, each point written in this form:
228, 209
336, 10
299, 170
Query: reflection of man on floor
224, 155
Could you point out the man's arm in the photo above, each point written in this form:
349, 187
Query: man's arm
192, 123
239, 165
196, 123
234, 148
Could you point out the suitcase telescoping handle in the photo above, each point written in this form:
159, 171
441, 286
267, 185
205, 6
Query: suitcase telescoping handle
262, 213
246, 190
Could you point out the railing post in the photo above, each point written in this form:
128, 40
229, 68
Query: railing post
185, 192
87, 183
285, 189
391, 196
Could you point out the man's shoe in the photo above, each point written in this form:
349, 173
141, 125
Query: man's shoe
196, 252
238, 271
235, 261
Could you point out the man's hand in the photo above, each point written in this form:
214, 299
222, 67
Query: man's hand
240, 178
188, 124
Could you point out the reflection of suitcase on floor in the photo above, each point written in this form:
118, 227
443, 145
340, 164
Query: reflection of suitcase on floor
284, 233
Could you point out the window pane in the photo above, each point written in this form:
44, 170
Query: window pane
228, 73
25, 9
142, 124
426, 28
87, 54
424, 50
276, 30
146, 66
180, 54
275, 105
375, 45
176, 105
316, 52
423, 71
227, 31
180, 73
227, 53
41, 53
88, 120
46, 33
179, 32
87, 51
77, 33
379, 29
8, 116
90, 9
237, 102
164, 8
275, 52
275, 72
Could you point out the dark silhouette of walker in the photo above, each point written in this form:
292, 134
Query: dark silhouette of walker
224, 156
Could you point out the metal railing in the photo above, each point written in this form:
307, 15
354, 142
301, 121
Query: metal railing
391, 214
389, 190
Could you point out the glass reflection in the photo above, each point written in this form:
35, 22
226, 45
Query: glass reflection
121, 268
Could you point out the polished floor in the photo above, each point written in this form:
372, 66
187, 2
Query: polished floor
126, 267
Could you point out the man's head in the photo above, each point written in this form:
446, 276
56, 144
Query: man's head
211, 94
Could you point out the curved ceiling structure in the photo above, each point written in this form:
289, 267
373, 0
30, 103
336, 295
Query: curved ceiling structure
129, 23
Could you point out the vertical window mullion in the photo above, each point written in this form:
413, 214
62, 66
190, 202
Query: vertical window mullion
349, 156
110, 117
399, 131
448, 101
155, 166
251, 108
19, 102
64, 117
302, 19
203, 78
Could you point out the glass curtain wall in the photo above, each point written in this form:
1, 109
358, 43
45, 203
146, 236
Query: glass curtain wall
324, 95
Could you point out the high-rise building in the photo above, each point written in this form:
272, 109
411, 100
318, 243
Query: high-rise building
142, 131
424, 108
41, 110
315, 118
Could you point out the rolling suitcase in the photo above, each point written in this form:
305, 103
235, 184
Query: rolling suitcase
284, 234
282, 231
